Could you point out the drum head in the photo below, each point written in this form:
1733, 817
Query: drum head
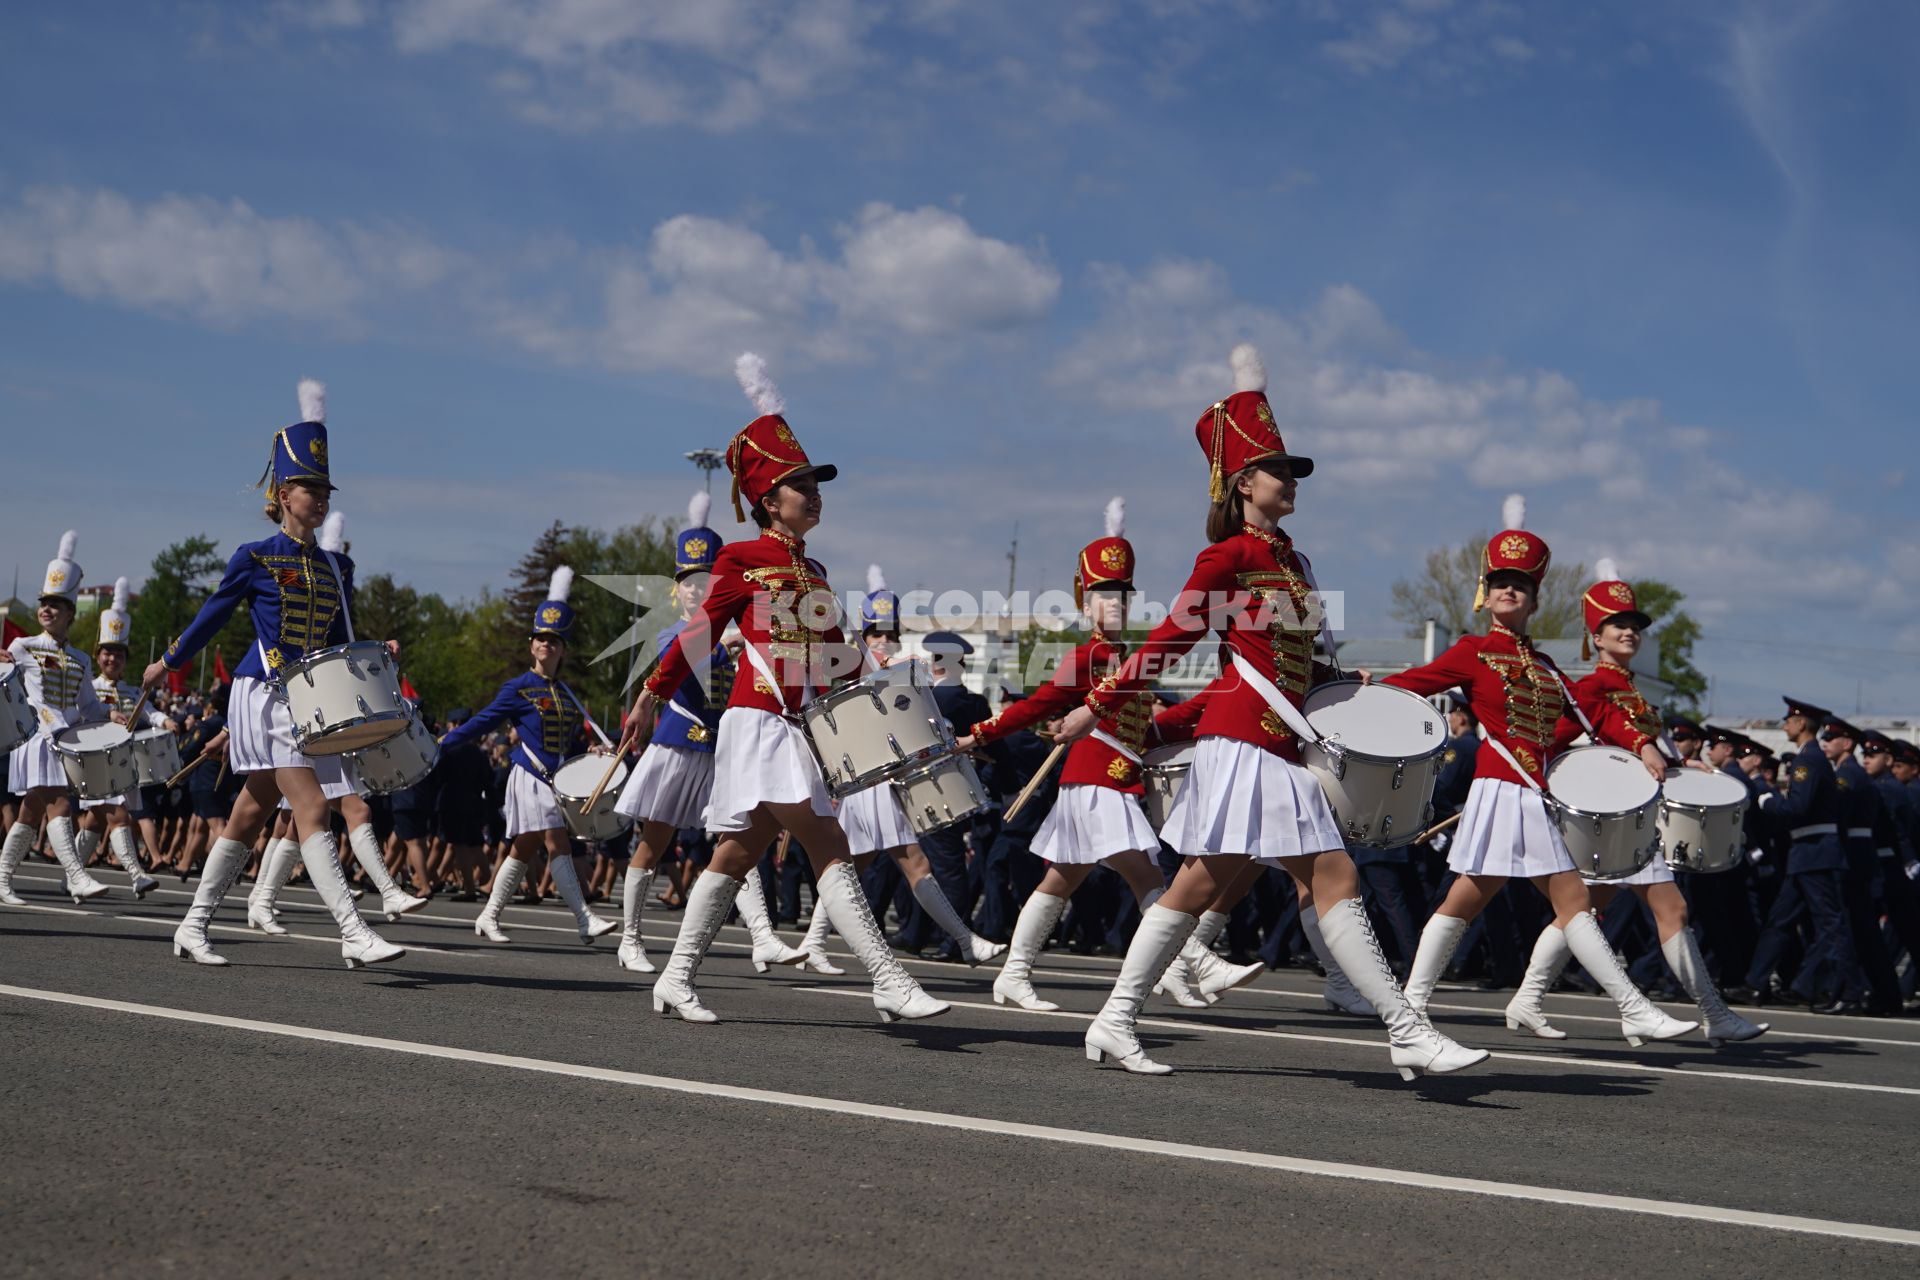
93, 737
1601, 780
1376, 719
580, 775
1703, 790
1172, 753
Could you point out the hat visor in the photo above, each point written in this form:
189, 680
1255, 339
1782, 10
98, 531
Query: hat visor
823, 472
1302, 467
1628, 618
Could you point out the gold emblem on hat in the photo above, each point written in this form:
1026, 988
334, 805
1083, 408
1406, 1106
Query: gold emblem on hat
783, 433
1513, 546
1622, 593
56, 578
1113, 558
696, 547
1262, 412
319, 451
550, 614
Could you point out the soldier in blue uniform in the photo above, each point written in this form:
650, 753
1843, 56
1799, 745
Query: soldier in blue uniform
1894, 841
1816, 866
1862, 819
552, 727
946, 849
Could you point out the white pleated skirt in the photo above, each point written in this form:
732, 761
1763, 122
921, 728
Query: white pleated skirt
1505, 831
875, 821
260, 737
34, 763
1242, 799
1090, 823
761, 758
670, 785
530, 804
1655, 872
131, 802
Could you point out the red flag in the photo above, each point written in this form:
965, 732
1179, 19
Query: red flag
220, 669
9, 632
407, 690
177, 680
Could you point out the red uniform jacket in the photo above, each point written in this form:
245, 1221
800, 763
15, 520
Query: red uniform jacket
1252, 588
1091, 762
786, 612
1515, 691
1620, 715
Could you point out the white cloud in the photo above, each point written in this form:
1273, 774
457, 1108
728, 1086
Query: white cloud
218, 261
1434, 39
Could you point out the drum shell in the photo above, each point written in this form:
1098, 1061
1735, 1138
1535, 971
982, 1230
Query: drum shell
402, 761
1705, 840
874, 730
17, 720
940, 793
98, 773
1163, 774
345, 698
603, 822
1381, 801
156, 754
1610, 844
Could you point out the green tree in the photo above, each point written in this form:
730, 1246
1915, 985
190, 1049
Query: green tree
1444, 589
1674, 631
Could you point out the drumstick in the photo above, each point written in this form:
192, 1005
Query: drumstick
780, 849
1033, 783
593, 800
1437, 828
174, 781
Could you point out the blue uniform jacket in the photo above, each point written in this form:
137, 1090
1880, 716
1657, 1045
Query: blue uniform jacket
291, 596
1754, 826
1895, 839
692, 719
1861, 813
545, 714
1810, 812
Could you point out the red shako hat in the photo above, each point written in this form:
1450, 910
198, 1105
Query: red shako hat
765, 451
1239, 431
1513, 550
1108, 561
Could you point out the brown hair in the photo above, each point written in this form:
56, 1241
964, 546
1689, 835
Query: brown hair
1225, 517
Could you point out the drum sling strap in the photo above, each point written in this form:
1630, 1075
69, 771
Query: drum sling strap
346, 614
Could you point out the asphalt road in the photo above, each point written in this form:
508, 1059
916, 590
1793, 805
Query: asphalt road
504, 1109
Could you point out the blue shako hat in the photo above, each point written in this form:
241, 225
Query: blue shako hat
880, 611
554, 617
697, 546
300, 451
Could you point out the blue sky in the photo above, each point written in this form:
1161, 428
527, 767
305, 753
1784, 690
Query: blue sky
1652, 265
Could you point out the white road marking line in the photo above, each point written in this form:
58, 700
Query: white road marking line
1561, 1198
239, 929
1196, 1026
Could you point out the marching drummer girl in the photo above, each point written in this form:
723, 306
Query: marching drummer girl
343, 790
59, 686
1247, 796
299, 598
552, 727
765, 778
875, 821
1097, 816
668, 789
1521, 700
116, 816
1622, 717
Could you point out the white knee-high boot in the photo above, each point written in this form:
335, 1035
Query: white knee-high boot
120, 841
708, 903
359, 944
276, 865
1161, 933
567, 881
80, 884
1039, 917
394, 900
1525, 1012
1640, 1021
1415, 1046
815, 943
1438, 941
19, 840
224, 863
1340, 994
895, 993
768, 950
1214, 977
1682, 951
506, 882
86, 843
974, 949
632, 955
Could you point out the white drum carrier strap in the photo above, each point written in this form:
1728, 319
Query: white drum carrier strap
1296, 720
588, 720
1573, 704
765, 668
1507, 755
340, 585
1101, 735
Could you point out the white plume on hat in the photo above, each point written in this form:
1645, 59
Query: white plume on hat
114, 622
333, 532
876, 580
697, 508
1249, 370
751, 370
69, 542
120, 595
313, 400
1116, 516
1514, 511
63, 575
560, 586
1605, 570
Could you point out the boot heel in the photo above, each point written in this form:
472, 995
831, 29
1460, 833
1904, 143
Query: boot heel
1095, 1055
179, 952
998, 998
886, 1015
1408, 1073
660, 1007
1635, 1041
351, 962
759, 966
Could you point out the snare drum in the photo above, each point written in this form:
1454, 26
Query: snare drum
17, 718
573, 784
399, 762
156, 754
1605, 803
1702, 820
98, 759
346, 698
1163, 772
879, 727
1379, 760
940, 793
